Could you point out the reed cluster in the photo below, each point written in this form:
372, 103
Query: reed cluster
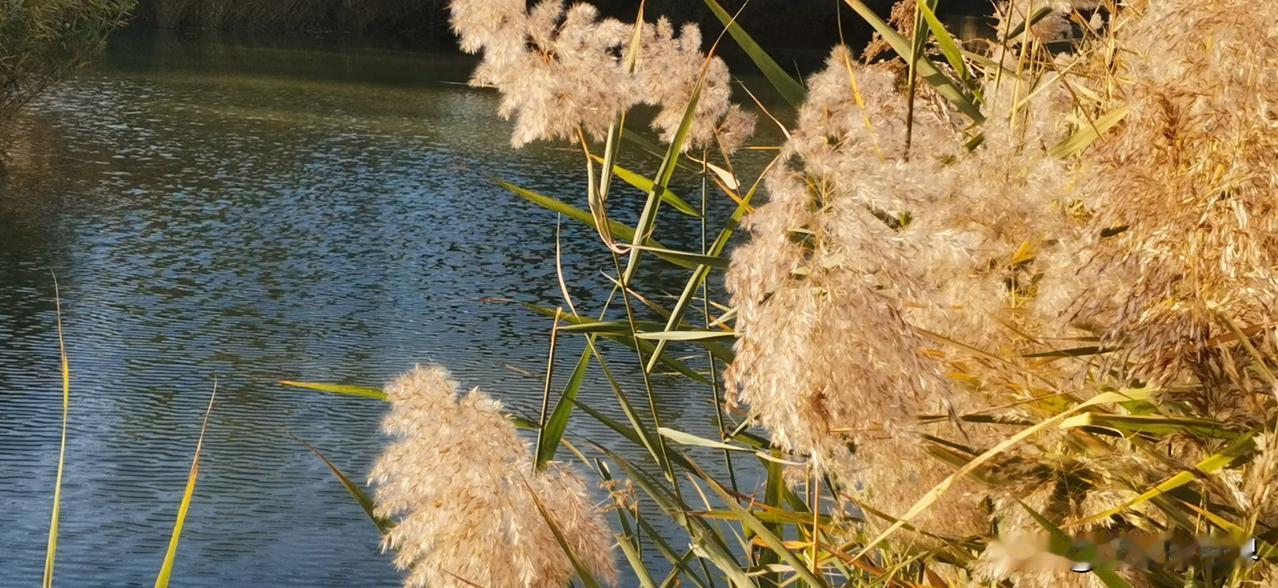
998, 299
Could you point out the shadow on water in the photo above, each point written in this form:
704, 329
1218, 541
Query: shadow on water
257, 212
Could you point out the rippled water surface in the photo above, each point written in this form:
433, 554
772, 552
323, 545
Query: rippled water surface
250, 212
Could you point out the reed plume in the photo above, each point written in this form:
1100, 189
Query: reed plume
564, 70
890, 283
459, 483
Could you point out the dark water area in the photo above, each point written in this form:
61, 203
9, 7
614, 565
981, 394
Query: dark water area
246, 213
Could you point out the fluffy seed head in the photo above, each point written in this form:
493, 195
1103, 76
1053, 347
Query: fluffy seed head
459, 482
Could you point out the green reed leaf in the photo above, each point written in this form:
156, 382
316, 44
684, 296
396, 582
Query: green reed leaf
647, 185
790, 89
345, 389
934, 494
1242, 445
549, 435
949, 47
689, 336
617, 229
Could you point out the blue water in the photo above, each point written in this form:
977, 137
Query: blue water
245, 213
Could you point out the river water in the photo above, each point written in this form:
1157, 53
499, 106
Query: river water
249, 212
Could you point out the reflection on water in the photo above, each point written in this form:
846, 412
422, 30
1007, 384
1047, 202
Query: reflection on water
250, 214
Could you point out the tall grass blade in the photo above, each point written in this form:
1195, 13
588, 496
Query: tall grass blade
688, 336
1039, 14
702, 272
597, 196
648, 218
679, 564
636, 563
683, 438
790, 89
566, 209
695, 259
620, 332
584, 217
52, 549
545, 394
654, 150
166, 568
702, 534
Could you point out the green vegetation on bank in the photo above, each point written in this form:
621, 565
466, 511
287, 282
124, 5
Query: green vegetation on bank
43, 40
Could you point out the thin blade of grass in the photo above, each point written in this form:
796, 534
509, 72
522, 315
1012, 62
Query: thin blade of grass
346, 389
764, 532
610, 330
702, 534
683, 438
597, 197
1071, 352
695, 259
1039, 14
646, 145
679, 564
170, 555
648, 217
568, 210
365, 502
51, 550
1151, 424
545, 395
636, 563
702, 272
586, 218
